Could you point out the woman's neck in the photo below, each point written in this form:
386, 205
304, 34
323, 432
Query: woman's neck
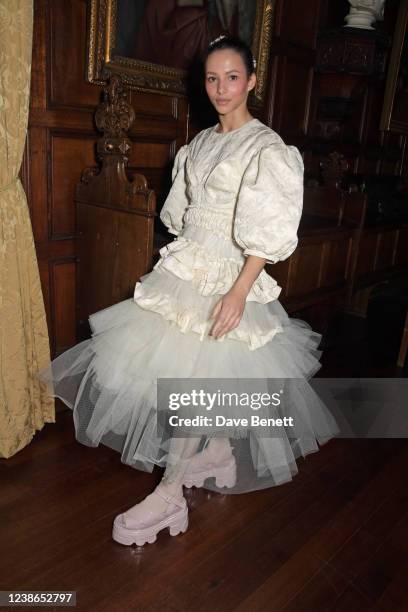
229, 123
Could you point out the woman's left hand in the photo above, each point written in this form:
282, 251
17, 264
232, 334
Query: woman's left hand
228, 312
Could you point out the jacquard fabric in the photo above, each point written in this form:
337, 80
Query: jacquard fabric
24, 344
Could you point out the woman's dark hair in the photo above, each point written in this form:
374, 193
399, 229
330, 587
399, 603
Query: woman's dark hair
235, 44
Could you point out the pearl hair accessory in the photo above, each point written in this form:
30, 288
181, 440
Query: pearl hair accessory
213, 42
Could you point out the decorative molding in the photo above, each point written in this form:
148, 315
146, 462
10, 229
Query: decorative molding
352, 51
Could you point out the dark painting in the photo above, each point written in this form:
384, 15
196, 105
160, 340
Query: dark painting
175, 33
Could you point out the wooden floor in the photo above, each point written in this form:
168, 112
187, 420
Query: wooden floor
335, 538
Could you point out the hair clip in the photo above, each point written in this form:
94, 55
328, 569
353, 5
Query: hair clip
213, 42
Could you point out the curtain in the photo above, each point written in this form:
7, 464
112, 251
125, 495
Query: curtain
24, 344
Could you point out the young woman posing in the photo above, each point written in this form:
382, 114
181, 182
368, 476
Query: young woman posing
207, 310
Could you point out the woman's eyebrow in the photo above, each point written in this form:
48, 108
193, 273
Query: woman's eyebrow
227, 71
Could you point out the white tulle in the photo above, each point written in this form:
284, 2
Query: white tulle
110, 380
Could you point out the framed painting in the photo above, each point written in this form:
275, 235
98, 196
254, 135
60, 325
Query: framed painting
155, 44
394, 115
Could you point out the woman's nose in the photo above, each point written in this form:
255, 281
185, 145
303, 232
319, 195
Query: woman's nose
221, 87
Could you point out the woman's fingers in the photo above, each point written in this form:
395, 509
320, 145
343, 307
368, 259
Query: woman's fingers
224, 322
227, 314
216, 310
216, 315
225, 327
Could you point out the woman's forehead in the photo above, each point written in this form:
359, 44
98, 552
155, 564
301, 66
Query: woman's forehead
224, 60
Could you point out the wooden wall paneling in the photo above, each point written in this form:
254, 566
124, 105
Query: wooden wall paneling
38, 90
354, 128
69, 154
299, 24
292, 53
332, 13
62, 119
306, 268
158, 127
294, 86
64, 304
367, 253
151, 154
296, 99
37, 190
403, 161
386, 249
158, 107
66, 82
336, 261
391, 154
369, 162
154, 160
281, 273
401, 255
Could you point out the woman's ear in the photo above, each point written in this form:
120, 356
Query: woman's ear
251, 82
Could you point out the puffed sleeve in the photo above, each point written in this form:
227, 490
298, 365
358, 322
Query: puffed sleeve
269, 204
176, 202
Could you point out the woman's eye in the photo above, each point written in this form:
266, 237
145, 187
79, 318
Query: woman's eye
211, 79
233, 77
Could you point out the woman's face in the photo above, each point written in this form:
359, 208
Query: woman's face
227, 82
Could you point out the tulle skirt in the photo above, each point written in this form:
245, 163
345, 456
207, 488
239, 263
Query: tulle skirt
110, 380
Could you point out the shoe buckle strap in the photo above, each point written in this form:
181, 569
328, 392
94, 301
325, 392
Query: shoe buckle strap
170, 499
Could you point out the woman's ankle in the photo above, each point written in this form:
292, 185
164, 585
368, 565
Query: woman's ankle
173, 489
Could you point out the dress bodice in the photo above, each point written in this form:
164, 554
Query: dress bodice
234, 194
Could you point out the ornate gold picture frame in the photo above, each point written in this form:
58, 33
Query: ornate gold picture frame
104, 59
394, 112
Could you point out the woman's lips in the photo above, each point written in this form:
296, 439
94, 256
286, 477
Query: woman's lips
222, 102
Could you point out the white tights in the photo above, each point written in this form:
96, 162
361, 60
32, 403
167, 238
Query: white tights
181, 451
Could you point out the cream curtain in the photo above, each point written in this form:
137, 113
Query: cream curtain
24, 345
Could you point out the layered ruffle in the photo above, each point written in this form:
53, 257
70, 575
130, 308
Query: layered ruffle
180, 303
190, 261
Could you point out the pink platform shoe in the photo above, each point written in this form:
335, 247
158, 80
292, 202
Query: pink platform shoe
199, 470
127, 531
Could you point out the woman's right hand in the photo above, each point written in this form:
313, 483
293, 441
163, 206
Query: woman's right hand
228, 312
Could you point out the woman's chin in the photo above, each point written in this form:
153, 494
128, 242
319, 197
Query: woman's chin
222, 109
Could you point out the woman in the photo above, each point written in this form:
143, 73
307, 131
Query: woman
208, 310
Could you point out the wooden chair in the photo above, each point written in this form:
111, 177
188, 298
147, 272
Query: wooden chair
115, 216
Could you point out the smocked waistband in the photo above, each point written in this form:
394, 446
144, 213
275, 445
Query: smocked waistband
219, 222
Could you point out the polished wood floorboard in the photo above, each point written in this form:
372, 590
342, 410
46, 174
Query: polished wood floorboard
335, 538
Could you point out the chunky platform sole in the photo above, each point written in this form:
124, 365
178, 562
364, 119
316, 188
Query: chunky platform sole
176, 523
225, 475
